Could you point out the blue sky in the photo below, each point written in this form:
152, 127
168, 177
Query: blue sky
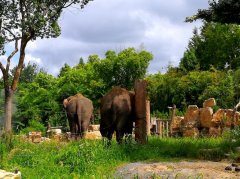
103, 25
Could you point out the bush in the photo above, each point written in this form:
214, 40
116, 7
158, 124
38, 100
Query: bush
34, 125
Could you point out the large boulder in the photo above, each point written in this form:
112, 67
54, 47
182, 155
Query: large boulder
214, 131
9, 175
190, 132
218, 117
209, 103
206, 115
93, 127
176, 125
191, 117
35, 137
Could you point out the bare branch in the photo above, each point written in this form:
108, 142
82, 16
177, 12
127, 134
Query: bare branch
2, 68
11, 55
9, 32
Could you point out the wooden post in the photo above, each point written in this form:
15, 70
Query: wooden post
148, 117
172, 117
160, 126
167, 129
141, 111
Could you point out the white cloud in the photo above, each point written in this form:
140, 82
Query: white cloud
112, 25
31, 59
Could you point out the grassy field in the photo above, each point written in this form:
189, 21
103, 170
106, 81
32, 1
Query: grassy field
92, 159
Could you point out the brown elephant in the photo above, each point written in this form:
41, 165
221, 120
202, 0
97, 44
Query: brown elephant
117, 113
79, 112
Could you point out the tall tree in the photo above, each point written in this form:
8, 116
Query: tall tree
216, 45
223, 11
124, 68
25, 20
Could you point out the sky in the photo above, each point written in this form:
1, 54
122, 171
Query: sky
156, 25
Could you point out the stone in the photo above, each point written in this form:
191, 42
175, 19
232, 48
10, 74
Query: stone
9, 175
190, 132
191, 117
206, 115
229, 168
209, 103
176, 122
231, 118
214, 132
35, 137
218, 117
93, 135
95, 127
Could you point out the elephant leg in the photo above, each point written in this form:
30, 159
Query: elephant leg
71, 123
84, 127
119, 136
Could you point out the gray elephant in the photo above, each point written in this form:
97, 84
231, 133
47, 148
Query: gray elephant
79, 112
117, 113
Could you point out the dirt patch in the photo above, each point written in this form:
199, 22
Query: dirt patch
180, 170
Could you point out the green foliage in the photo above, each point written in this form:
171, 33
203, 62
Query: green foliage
124, 68
28, 73
216, 46
86, 159
191, 88
37, 100
34, 125
223, 11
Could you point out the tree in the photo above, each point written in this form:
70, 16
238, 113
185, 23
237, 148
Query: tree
64, 69
25, 20
124, 68
217, 45
223, 11
28, 73
189, 61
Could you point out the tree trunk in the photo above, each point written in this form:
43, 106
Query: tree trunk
8, 110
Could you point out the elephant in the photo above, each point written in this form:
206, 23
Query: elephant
79, 111
117, 113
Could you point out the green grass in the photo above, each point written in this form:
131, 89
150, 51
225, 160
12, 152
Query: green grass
91, 159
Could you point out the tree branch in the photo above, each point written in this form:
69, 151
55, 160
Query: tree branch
11, 55
2, 68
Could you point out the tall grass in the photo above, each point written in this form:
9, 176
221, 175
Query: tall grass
89, 159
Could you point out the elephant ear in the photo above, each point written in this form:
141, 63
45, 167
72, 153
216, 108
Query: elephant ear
65, 103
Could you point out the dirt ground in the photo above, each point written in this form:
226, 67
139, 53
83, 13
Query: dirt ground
177, 170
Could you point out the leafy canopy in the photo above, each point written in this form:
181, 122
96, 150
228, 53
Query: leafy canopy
223, 11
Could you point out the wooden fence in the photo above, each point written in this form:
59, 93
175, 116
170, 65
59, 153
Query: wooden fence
161, 127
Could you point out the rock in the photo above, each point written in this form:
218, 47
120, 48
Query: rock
229, 168
35, 137
191, 117
94, 128
209, 103
175, 126
9, 175
214, 132
237, 169
218, 117
206, 115
176, 122
190, 132
228, 119
93, 135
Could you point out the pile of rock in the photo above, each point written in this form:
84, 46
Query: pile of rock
9, 175
35, 137
93, 132
203, 121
